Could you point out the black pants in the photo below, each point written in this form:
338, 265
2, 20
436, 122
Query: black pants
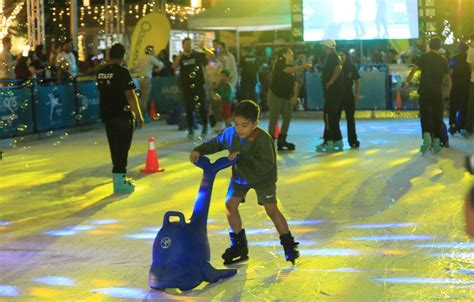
348, 105
195, 100
119, 134
431, 112
247, 91
332, 103
458, 102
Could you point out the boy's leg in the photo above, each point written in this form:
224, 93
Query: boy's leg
277, 217
233, 215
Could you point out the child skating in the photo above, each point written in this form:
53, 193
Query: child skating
256, 169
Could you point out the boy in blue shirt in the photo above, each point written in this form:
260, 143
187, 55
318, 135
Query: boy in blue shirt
256, 169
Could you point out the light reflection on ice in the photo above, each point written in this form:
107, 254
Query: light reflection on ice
155, 229
447, 245
141, 236
381, 226
277, 243
81, 228
328, 252
335, 270
454, 255
4, 223
105, 221
407, 237
8, 291
299, 222
251, 232
415, 280
123, 292
55, 280
61, 233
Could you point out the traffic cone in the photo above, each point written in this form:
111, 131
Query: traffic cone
398, 101
277, 131
152, 110
152, 165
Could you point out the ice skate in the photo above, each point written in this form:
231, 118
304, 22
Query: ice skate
325, 147
436, 146
282, 144
426, 143
238, 250
339, 145
122, 184
290, 247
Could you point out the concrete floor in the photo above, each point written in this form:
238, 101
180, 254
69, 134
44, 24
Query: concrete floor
379, 223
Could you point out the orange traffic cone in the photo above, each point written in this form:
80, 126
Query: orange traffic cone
398, 101
277, 131
152, 165
152, 110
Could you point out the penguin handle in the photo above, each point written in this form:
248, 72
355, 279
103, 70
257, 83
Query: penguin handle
166, 219
204, 163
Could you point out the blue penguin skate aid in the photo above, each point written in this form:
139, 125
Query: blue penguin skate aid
181, 251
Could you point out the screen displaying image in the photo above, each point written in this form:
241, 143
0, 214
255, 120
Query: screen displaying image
360, 19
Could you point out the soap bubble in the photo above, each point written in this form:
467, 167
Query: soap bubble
196, 98
24, 105
78, 117
192, 86
101, 32
198, 106
62, 39
49, 133
192, 75
227, 10
13, 143
13, 117
217, 96
64, 135
156, 117
196, 68
198, 141
126, 108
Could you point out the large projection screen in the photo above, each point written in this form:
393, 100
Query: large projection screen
360, 19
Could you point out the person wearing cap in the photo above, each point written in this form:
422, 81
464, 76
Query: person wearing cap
333, 88
434, 72
145, 71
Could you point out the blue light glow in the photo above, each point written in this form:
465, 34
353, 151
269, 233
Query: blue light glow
465, 271
155, 229
8, 291
61, 233
407, 237
141, 236
447, 245
300, 222
4, 223
381, 226
335, 270
105, 221
55, 280
415, 280
81, 228
276, 243
123, 292
328, 252
251, 232
454, 255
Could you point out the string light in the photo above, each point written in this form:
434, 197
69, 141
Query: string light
94, 15
6, 22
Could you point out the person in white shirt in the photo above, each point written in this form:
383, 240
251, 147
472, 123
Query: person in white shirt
66, 62
228, 62
469, 125
145, 68
7, 65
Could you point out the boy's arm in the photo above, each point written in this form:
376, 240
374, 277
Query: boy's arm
213, 145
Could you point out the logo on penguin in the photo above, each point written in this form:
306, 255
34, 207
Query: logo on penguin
165, 242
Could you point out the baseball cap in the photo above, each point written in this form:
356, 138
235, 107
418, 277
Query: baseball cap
329, 43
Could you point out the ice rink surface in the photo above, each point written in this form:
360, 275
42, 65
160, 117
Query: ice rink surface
379, 223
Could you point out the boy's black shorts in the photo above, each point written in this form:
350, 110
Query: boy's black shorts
266, 193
